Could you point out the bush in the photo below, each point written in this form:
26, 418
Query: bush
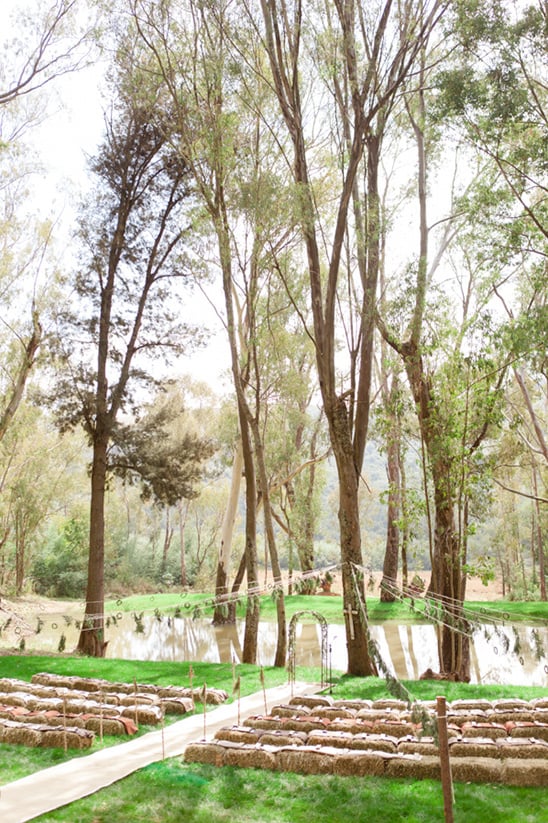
61, 569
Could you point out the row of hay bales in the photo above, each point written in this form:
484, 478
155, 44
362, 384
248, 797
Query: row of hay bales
68, 711
44, 735
96, 684
501, 742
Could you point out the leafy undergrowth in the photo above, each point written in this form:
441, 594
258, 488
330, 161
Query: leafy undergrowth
172, 791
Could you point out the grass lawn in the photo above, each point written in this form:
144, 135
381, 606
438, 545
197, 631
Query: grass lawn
174, 792
329, 607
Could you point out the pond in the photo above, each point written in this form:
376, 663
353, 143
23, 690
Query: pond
511, 654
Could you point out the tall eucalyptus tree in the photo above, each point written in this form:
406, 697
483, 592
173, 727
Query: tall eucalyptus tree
361, 54
126, 293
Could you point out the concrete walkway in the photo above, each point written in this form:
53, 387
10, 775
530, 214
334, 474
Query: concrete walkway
51, 788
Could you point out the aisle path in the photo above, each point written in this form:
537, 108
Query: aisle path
51, 788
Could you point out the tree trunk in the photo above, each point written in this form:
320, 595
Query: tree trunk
360, 662
168, 536
223, 615
447, 580
391, 554
540, 542
19, 556
92, 634
182, 526
447, 584
281, 644
251, 632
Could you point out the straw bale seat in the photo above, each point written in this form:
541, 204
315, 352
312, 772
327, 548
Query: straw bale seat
278, 737
353, 704
516, 772
312, 701
524, 729
287, 710
95, 684
239, 734
43, 735
176, 705
491, 730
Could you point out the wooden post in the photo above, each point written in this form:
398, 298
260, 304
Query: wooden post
446, 778
264, 690
204, 702
65, 746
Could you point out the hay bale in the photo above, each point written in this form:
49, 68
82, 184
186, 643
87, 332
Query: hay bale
539, 731
175, 692
390, 703
303, 724
148, 688
359, 764
239, 734
371, 715
11, 684
353, 726
471, 705
280, 738
312, 701
511, 716
140, 698
56, 719
472, 770
473, 747
286, 710
19, 699
323, 737
353, 705
462, 716
212, 753
75, 738
490, 730
146, 715
114, 726
393, 728
414, 767
304, 760
526, 749
424, 746
176, 705
49, 704
505, 703
531, 773
266, 723
213, 696
22, 734
80, 706
334, 713
251, 757
374, 742
45, 678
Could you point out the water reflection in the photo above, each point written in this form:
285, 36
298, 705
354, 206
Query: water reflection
509, 655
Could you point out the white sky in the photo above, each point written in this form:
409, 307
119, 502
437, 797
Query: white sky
70, 132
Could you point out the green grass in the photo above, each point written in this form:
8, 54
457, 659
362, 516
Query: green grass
174, 792
329, 607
